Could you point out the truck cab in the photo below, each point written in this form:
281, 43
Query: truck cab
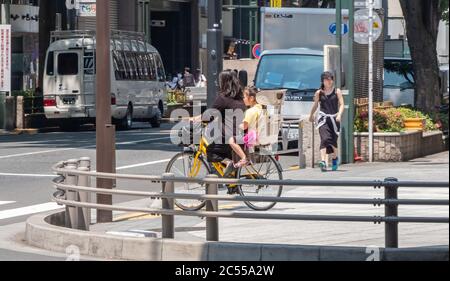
298, 70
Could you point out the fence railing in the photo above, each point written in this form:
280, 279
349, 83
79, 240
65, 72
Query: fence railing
75, 190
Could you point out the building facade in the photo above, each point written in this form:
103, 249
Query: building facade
24, 19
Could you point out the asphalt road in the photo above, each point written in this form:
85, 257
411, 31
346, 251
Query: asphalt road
25, 172
26, 161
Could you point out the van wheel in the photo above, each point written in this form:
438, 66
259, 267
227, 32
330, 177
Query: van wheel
156, 120
126, 123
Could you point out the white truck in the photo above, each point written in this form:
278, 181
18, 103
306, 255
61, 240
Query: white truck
293, 41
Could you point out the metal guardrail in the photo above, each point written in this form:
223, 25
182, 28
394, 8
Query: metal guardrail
74, 191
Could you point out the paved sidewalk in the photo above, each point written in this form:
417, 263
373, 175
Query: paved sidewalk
432, 168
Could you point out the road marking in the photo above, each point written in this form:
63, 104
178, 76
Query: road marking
13, 213
6, 202
74, 148
143, 164
27, 175
118, 169
135, 216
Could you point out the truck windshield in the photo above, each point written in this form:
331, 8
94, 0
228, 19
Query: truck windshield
296, 72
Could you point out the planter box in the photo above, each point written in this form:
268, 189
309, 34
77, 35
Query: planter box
414, 124
399, 147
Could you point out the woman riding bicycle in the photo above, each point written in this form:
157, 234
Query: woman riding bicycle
230, 99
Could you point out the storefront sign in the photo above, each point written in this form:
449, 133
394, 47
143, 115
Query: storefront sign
87, 8
5, 58
24, 18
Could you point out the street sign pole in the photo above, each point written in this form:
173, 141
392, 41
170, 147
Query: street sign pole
339, 42
6, 19
371, 129
105, 131
215, 49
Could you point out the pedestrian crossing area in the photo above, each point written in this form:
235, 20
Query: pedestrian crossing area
14, 212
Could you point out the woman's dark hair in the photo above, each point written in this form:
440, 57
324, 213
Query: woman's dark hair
325, 76
229, 85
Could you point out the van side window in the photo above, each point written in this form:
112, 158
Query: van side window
51, 64
131, 66
151, 67
160, 69
125, 65
144, 61
140, 66
117, 66
89, 62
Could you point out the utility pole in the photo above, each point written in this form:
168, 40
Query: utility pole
215, 49
105, 131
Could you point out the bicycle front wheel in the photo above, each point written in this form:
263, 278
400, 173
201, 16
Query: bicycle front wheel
266, 168
185, 164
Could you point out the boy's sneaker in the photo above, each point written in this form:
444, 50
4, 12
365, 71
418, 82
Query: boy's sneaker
323, 166
335, 164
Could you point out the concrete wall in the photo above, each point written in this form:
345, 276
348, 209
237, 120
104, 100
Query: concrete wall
398, 147
40, 233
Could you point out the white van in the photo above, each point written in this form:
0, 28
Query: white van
138, 89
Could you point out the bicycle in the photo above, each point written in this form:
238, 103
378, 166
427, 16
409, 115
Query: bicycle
194, 163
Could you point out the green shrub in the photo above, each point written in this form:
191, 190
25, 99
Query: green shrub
391, 120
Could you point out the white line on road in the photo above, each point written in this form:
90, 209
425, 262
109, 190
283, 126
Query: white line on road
74, 148
6, 202
143, 164
13, 213
118, 169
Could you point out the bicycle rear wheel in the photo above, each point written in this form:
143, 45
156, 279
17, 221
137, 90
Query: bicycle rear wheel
183, 165
267, 168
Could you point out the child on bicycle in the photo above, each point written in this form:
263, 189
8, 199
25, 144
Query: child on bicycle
249, 125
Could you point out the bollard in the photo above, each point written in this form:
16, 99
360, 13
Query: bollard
212, 224
71, 212
20, 115
301, 154
391, 210
84, 214
168, 221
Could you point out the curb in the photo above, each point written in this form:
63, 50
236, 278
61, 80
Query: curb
41, 234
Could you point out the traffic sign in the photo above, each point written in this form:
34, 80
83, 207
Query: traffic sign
333, 28
257, 51
362, 26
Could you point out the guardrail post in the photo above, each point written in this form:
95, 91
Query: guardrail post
301, 153
313, 145
391, 210
212, 224
84, 214
168, 221
71, 212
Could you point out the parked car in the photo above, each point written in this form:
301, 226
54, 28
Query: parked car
399, 84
